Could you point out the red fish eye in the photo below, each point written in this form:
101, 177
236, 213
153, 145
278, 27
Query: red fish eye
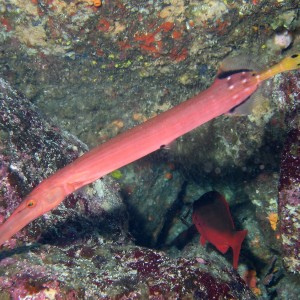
30, 203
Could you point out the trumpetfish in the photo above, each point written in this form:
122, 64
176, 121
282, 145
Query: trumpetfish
229, 90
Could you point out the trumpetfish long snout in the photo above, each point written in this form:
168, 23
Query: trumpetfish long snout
228, 91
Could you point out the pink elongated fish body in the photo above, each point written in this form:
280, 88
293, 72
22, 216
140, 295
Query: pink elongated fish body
212, 218
225, 93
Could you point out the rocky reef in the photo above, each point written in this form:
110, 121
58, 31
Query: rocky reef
64, 54
289, 188
87, 70
289, 201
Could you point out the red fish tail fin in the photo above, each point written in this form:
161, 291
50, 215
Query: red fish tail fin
236, 246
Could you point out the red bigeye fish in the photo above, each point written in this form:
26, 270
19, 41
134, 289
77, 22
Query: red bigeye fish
213, 220
229, 90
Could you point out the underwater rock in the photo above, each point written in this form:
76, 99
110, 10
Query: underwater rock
289, 201
150, 188
289, 182
111, 271
69, 56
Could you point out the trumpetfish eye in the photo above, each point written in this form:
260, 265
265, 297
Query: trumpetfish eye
30, 203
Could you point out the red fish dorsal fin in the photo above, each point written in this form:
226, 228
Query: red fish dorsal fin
226, 205
237, 63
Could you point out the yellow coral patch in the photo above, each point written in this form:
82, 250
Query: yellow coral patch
117, 174
273, 219
118, 123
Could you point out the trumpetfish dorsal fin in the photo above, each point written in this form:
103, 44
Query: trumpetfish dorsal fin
287, 64
242, 61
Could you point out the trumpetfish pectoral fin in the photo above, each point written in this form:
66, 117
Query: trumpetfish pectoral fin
287, 64
255, 104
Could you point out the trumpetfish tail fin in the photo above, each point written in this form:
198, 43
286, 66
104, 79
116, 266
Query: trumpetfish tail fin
287, 64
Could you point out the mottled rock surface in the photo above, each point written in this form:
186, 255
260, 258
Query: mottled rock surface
79, 62
289, 187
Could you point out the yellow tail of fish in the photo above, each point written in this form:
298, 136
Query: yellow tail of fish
287, 64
